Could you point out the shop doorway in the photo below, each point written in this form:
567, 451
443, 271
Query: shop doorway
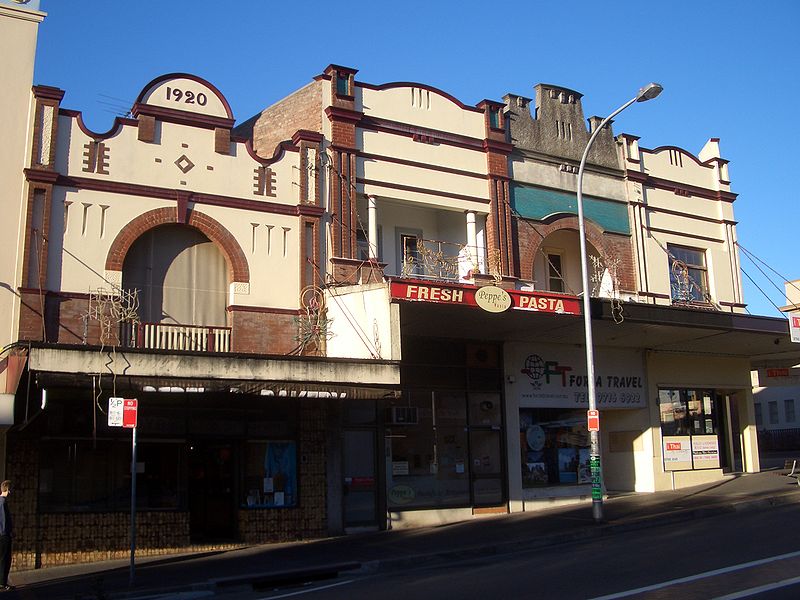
486, 469
360, 490
730, 433
211, 491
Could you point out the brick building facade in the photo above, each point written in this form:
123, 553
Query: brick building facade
358, 307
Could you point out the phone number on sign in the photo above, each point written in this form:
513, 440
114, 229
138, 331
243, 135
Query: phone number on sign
610, 398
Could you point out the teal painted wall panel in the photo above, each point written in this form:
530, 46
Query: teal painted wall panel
540, 203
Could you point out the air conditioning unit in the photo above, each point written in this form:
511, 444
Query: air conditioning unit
401, 415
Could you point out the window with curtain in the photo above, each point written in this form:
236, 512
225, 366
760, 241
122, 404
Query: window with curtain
181, 276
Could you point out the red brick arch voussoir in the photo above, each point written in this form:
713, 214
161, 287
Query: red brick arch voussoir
594, 235
238, 269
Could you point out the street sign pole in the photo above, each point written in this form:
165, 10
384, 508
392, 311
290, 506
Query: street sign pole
123, 412
133, 505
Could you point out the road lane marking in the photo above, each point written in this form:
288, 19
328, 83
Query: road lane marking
757, 590
308, 591
707, 574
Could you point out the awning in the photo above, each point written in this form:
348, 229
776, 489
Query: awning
764, 341
291, 376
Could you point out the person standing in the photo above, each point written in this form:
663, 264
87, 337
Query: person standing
6, 532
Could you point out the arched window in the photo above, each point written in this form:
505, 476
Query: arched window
557, 266
181, 276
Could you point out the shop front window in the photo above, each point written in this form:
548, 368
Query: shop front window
444, 437
94, 476
687, 412
689, 429
429, 449
555, 447
270, 474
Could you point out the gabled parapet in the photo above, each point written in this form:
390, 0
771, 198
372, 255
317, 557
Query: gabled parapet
676, 166
557, 127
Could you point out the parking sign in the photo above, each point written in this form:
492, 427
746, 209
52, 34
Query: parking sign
122, 412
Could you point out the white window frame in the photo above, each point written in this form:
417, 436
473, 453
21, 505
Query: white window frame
705, 284
548, 252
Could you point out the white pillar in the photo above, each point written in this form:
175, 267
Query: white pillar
748, 432
472, 237
372, 216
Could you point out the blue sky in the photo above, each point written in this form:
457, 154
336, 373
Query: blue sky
730, 70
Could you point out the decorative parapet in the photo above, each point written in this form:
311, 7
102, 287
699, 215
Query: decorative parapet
557, 127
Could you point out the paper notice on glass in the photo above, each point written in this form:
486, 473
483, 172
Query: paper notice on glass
677, 453
268, 485
705, 451
400, 467
459, 466
278, 499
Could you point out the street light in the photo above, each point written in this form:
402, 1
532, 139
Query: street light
648, 92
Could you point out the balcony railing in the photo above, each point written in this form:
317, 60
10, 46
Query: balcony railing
165, 336
435, 259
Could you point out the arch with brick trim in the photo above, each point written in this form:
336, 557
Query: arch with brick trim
608, 246
238, 269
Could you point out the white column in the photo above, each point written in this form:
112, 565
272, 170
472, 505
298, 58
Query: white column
472, 237
372, 215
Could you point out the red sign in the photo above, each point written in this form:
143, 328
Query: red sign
593, 417
129, 410
672, 446
362, 482
412, 290
777, 372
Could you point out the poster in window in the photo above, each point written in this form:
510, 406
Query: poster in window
568, 465
705, 451
280, 465
534, 473
677, 453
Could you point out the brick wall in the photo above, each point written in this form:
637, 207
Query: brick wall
301, 110
22, 469
87, 537
263, 331
31, 320
344, 133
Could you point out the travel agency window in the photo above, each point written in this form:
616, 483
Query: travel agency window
555, 447
689, 429
553, 398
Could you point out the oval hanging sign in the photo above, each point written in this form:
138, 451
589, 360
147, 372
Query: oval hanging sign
493, 299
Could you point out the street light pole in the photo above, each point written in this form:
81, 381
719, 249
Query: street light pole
648, 92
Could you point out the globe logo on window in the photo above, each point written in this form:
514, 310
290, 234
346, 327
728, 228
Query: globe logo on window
534, 368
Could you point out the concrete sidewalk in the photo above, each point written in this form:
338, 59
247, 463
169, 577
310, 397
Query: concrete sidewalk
285, 563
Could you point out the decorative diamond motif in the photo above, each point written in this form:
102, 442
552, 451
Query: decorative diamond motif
184, 164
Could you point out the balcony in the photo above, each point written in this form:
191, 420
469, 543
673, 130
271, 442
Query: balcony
166, 336
438, 260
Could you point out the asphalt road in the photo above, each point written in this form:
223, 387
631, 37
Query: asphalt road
747, 555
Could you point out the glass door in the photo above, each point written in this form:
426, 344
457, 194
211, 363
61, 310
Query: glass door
360, 489
486, 448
